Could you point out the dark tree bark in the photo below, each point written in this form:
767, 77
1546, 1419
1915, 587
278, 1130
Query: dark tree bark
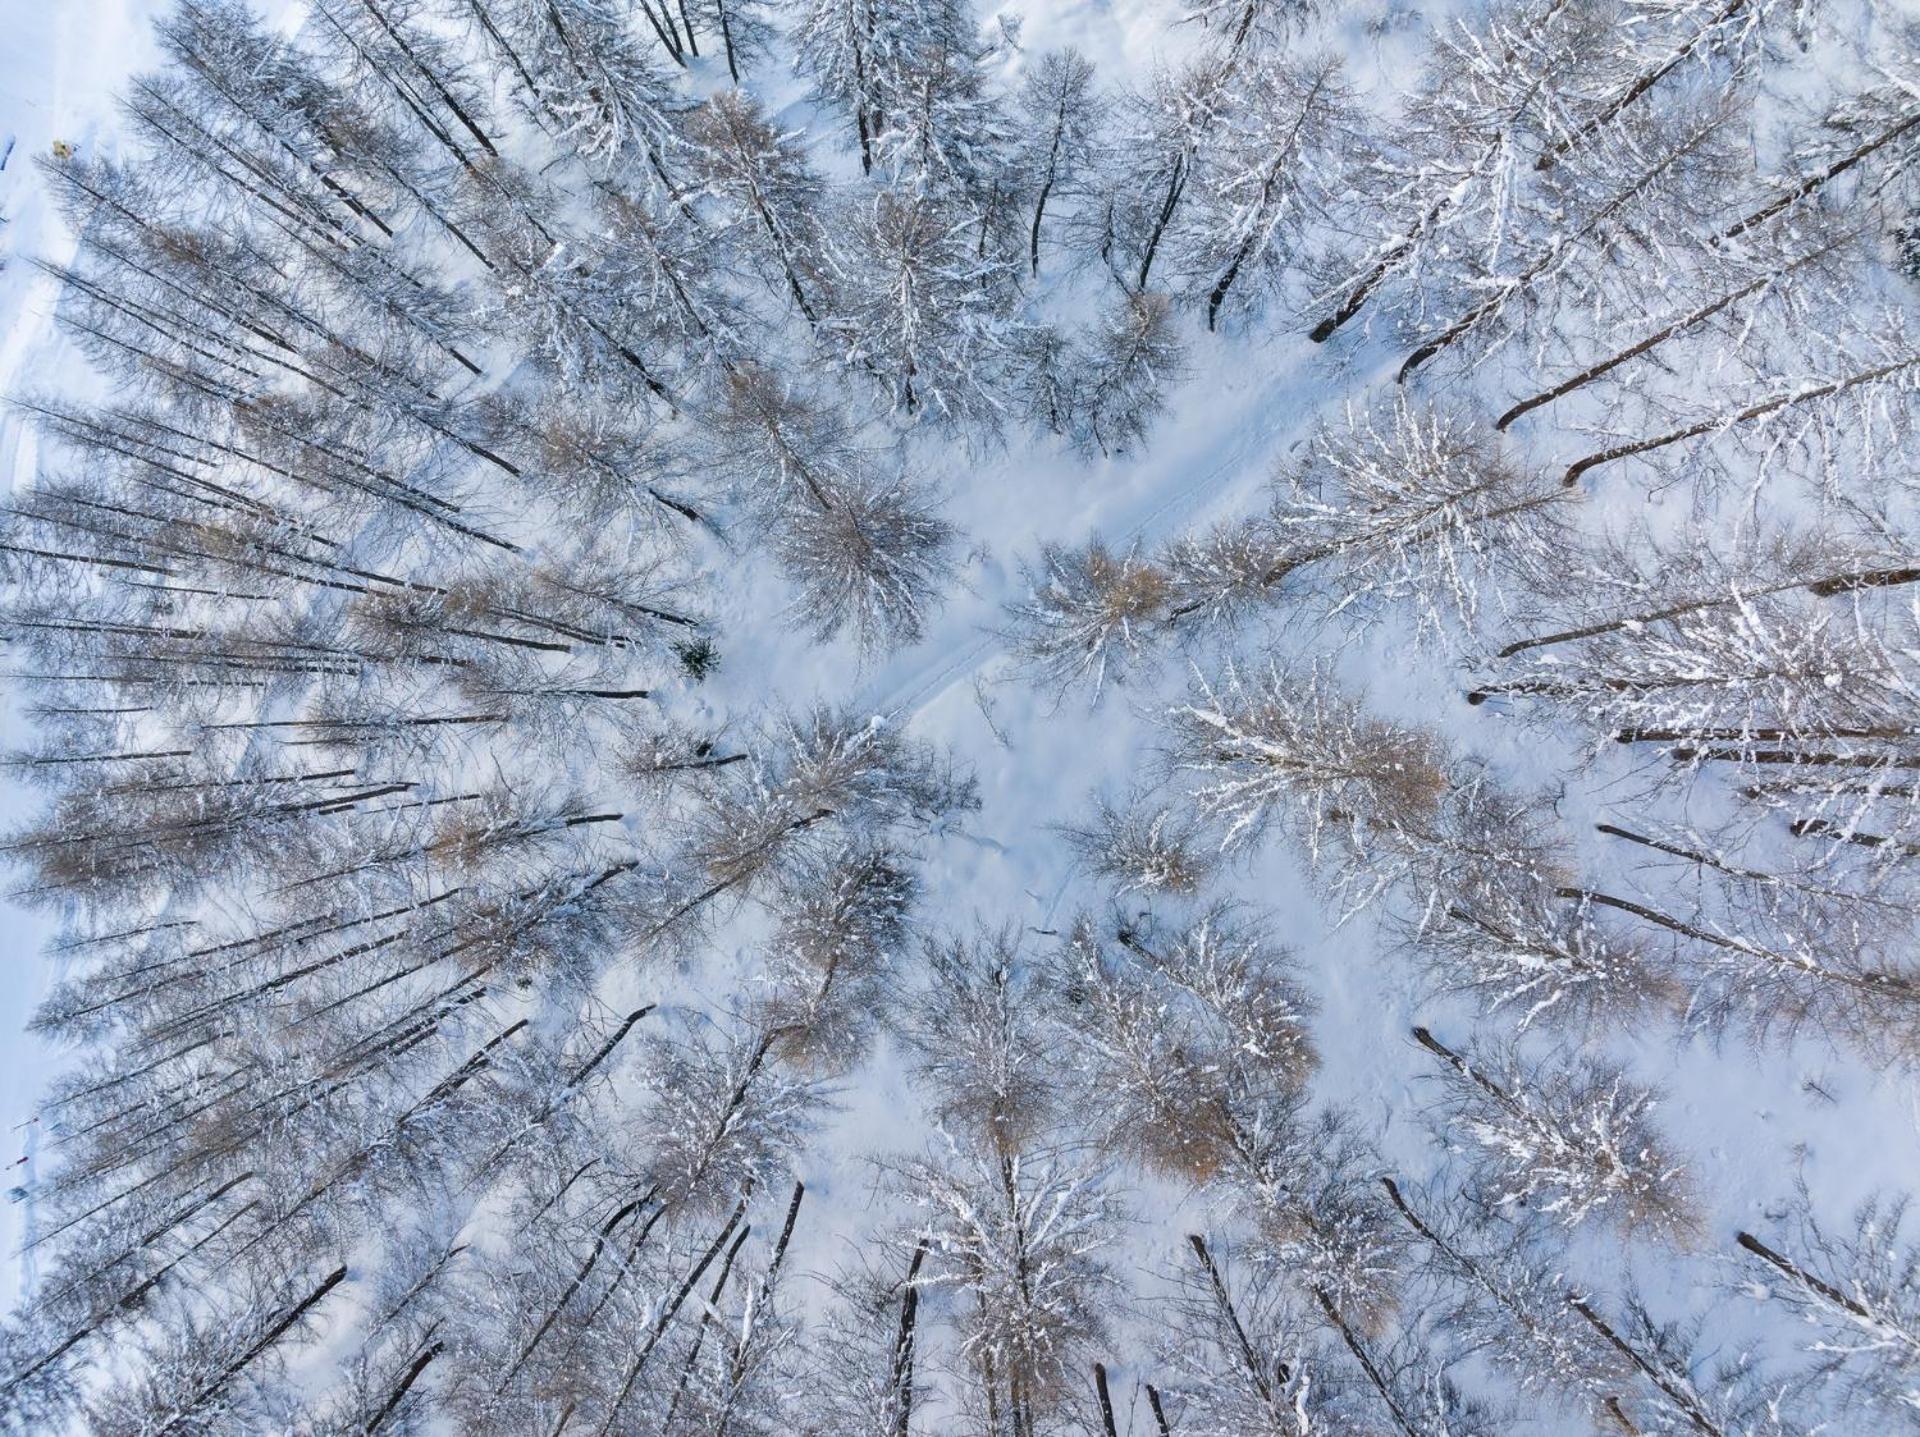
1752, 412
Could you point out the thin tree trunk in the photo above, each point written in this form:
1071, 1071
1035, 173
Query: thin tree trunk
661, 23
1633, 351
1389, 260
600, 1241
426, 73
1619, 1415
1175, 186
135, 1295
1521, 282
1280, 161
726, 39
1754, 735
1460, 1065
1366, 1361
233, 1369
304, 212
399, 1393
1105, 1398
1637, 89
700, 1332
1474, 1272
669, 1312
1806, 1279
1815, 181
1683, 1401
1756, 411
1796, 759
1824, 828
485, 17
1870, 981
1826, 588
1046, 188
903, 1344
1255, 1371
200, 67
737, 1367
1159, 1411
1707, 860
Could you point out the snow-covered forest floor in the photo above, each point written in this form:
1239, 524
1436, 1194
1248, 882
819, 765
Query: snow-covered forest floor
1033, 712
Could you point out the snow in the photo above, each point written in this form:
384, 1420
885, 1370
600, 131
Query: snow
1747, 1122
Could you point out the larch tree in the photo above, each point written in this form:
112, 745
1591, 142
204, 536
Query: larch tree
1563, 1144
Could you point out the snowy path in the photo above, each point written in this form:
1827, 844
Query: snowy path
968, 641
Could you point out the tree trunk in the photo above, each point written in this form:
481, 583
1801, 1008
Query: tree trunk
1824, 588
700, 1332
1105, 1399
1683, 1401
393, 1401
233, 1369
1255, 1371
726, 39
1460, 1065
1754, 735
485, 17
1795, 758
903, 1344
1637, 89
1159, 1411
600, 1241
737, 1368
1366, 1361
1707, 860
1824, 828
661, 23
1633, 351
672, 1310
1175, 185
454, 107
1878, 983
211, 78
1046, 188
1756, 411
1815, 181
1806, 1279
1474, 1271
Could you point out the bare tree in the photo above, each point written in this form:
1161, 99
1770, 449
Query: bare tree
1012, 1222
1856, 1292
1065, 118
919, 304
1088, 616
874, 563
1239, 1354
763, 178
1131, 360
1261, 746
1261, 181
1140, 848
1565, 1145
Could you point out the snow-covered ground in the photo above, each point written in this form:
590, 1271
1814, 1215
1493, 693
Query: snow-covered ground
1749, 1121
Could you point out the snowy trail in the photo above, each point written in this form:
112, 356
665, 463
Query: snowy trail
933, 674
935, 668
